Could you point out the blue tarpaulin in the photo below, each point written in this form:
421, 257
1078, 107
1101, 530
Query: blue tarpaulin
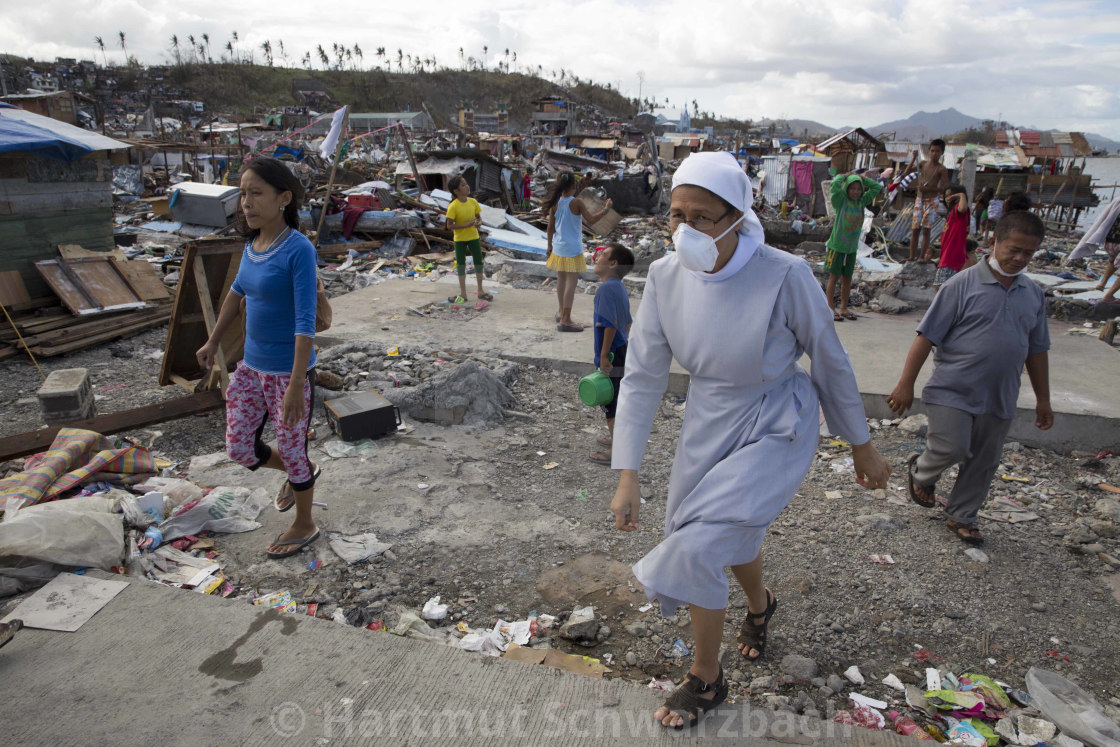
25, 132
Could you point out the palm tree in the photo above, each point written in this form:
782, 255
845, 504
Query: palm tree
360, 56
206, 39
229, 48
381, 54
190, 38
231, 45
485, 49
323, 57
123, 47
307, 60
101, 45
460, 57
349, 56
175, 48
507, 59
515, 60
266, 47
283, 53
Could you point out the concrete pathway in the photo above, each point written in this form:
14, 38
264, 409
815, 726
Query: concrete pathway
166, 666
519, 325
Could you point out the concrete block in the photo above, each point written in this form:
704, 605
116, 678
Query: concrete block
67, 395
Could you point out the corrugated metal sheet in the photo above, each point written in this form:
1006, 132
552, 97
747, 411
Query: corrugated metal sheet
1066, 149
777, 177
1061, 137
1029, 137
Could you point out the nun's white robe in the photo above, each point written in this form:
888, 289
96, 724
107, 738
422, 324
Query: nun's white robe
751, 420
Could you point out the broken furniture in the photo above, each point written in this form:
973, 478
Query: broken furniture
203, 204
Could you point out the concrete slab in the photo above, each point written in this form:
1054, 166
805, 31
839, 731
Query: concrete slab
165, 665
519, 326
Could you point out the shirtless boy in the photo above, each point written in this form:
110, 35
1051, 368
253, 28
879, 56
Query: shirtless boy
933, 180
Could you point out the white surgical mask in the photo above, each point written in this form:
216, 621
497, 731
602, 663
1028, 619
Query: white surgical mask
696, 250
999, 270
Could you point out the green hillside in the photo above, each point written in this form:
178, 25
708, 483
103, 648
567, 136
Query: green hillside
247, 89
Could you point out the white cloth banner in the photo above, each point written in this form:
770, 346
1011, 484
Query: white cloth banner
326, 150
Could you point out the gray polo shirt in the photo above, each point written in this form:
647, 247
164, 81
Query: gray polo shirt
982, 335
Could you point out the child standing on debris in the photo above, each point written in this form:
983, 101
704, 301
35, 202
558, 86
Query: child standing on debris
464, 217
980, 210
737, 315
612, 328
526, 192
986, 323
850, 195
566, 214
954, 239
278, 281
933, 178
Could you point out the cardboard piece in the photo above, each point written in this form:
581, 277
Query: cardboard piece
66, 603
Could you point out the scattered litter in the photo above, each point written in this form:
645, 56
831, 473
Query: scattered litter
344, 449
666, 685
885, 559
314, 565
894, 682
975, 553
1007, 510
863, 700
581, 495
552, 465
646, 607
66, 603
1075, 711
354, 548
852, 674
433, 610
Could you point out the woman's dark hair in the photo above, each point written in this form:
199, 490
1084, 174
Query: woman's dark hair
556, 190
455, 182
279, 177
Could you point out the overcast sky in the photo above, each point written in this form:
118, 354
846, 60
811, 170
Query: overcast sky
1053, 64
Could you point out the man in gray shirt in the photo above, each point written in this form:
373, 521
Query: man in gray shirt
986, 322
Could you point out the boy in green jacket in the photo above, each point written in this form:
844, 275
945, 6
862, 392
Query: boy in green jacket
850, 194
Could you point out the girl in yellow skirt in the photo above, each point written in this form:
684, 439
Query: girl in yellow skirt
566, 214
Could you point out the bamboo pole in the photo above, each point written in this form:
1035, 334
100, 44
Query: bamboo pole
423, 185
330, 181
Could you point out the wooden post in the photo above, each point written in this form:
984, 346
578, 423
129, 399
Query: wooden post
412, 160
330, 181
1072, 204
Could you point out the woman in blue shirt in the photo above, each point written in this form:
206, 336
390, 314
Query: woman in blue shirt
275, 380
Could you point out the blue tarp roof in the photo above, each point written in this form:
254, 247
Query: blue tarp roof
26, 132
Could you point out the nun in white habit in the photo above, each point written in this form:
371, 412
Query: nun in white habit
737, 315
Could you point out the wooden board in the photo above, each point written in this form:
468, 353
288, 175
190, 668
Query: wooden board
12, 289
91, 285
609, 221
115, 422
188, 331
76, 251
144, 279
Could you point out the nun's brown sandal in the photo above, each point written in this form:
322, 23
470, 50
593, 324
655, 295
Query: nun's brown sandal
752, 634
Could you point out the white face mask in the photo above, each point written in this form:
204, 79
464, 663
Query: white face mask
696, 250
999, 270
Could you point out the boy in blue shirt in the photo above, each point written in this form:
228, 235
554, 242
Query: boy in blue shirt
612, 326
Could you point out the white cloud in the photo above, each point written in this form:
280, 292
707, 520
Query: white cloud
1051, 64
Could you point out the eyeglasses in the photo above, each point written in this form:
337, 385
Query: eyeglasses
700, 224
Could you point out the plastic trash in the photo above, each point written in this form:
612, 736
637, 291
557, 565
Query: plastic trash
1075, 711
343, 449
76, 531
975, 553
153, 538
853, 675
907, 727
175, 491
433, 610
225, 510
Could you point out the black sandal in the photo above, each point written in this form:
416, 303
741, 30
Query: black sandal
967, 533
914, 495
686, 700
752, 634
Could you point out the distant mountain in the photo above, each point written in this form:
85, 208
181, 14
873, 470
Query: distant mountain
927, 125
1100, 142
797, 127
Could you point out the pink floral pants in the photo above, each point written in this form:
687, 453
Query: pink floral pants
251, 400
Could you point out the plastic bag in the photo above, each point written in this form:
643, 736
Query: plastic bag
1074, 711
25, 575
175, 491
225, 510
73, 532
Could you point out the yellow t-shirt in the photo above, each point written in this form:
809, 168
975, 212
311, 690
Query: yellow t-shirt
464, 212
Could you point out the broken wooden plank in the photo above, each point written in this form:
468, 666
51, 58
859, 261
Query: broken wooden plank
23, 444
47, 351
12, 289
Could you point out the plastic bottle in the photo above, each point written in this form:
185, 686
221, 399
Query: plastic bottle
907, 727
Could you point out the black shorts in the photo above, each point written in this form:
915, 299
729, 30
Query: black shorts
616, 381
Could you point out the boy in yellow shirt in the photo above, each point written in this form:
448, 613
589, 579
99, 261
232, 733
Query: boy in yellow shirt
464, 218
